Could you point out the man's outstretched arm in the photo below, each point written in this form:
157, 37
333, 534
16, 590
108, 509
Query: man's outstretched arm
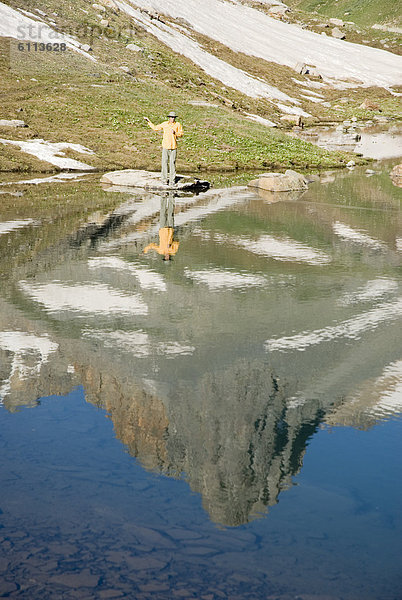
152, 126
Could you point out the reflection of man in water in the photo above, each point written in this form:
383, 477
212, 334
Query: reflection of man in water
167, 246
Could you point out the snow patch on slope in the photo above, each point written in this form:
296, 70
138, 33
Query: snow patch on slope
213, 66
48, 151
260, 120
60, 177
21, 27
247, 30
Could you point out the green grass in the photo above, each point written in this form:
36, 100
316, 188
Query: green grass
99, 106
109, 120
362, 12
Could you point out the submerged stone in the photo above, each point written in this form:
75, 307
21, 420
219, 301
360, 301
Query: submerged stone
76, 580
396, 175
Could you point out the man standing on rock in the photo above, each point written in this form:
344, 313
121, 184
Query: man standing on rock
171, 131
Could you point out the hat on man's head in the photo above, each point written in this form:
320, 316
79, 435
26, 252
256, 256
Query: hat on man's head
172, 114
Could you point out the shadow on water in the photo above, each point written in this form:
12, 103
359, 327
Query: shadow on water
276, 320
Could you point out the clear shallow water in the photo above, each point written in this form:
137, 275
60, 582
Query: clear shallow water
223, 425
378, 141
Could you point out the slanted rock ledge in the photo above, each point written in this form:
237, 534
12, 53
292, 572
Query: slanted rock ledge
149, 180
280, 182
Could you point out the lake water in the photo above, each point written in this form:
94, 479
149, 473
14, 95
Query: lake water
224, 424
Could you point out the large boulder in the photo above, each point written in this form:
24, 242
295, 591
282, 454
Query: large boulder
396, 175
278, 11
280, 182
337, 33
336, 22
368, 104
313, 72
134, 48
149, 180
310, 70
301, 68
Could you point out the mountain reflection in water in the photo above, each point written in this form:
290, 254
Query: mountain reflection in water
273, 318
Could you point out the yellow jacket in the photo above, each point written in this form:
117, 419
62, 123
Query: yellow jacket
166, 243
171, 131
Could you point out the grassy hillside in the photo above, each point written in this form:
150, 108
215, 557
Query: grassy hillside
104, 111
69, 98
362, 12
